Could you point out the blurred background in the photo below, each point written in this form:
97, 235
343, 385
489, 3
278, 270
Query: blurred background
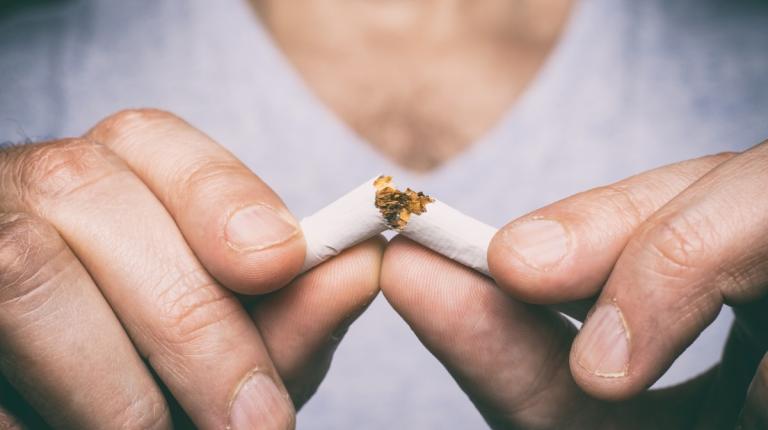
629, 86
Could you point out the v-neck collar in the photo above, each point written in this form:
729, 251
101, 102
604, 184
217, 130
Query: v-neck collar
540, 92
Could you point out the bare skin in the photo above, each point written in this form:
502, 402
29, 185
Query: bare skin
649, 261
120, 255
419, 80
121, 252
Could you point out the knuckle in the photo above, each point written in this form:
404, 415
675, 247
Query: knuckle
59, 168
125, 123
738, 283
191, 304
28, 246
678, 243
622, 201
205, 177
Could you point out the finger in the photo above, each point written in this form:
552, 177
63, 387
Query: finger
510, 357
60, 344
754, 415
565, 251
193, 332
236, 225
304, 322
704, 247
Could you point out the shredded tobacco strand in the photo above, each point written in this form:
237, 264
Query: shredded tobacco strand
397, 206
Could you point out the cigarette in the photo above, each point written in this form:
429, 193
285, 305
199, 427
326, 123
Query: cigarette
376, 206
344, 223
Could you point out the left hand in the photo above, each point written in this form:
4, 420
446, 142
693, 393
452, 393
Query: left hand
654, 257
120, 255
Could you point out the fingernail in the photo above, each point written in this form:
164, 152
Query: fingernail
604, 350
257, 227
259, 404
541, 243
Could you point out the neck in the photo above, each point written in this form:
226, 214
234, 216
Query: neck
436, 21
418, 79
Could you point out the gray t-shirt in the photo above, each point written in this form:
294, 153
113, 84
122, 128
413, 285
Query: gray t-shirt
631, 86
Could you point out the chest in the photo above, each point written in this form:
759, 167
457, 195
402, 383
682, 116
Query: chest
417, 87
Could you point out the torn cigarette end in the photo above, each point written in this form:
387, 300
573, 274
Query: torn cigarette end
377, 205
397, 206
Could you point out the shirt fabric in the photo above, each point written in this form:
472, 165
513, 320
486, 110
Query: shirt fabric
631, 86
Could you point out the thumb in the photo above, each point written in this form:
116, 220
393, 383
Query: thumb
236, 225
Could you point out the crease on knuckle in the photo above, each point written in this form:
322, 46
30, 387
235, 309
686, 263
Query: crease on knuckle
30, 260
192, 303
202, 177
117, 128
679, 245
624, 202
55, 170
738, 283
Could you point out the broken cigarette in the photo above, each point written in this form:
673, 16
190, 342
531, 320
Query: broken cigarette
376, 206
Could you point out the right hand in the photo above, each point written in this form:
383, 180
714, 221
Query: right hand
511, 351
119, 255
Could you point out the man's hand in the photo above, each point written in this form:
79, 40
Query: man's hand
119, 252
654, 257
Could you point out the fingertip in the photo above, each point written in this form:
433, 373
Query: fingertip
600, 354
250, 248
603, 388
259, 226
414, 278
355, 271
603, 359
250, 244
608, 388
395, 274
372, 254
333, 290
303, 323
368, 254
236, 225
261, 271
258, 270
399, 242
396, 263
379, 243
532, 259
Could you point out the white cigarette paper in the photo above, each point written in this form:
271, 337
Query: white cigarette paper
377, 205
344, 223
453, 234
